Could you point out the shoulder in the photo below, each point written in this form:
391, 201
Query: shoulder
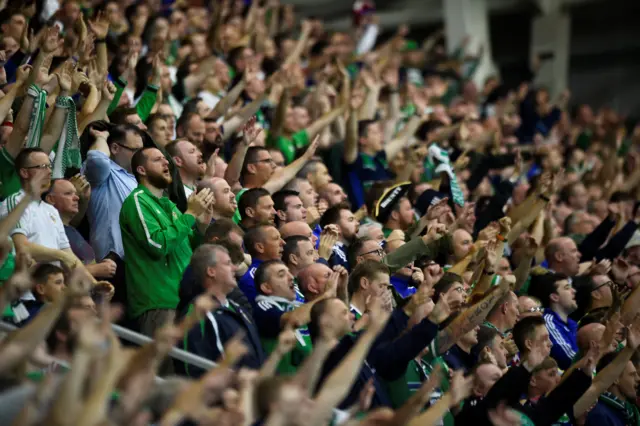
96, 155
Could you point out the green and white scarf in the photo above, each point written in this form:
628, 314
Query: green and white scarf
68, 147
440, 159
36, 124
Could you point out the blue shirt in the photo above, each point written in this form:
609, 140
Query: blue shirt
339, 256
247, 283
563, 336
362, 173
110, 185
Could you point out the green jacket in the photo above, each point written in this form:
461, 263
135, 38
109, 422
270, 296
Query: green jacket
144, 105
156, 239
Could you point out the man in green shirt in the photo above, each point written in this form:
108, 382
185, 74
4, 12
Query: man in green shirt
156, 239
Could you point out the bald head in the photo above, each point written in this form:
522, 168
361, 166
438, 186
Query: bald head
298, 229
224, 199
588, 333
563, 256
313, 280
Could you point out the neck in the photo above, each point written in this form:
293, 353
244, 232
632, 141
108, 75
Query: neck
252, 181
534, 393
187, 180
358, 300
248, 223
368, 150
393, 225
561, 313
217, 215
62, 353
616, 392
464, 346
499, 323
217, 292
66, 217
154, 190
595, 304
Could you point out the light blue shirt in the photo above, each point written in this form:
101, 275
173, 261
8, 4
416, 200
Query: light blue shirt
110, 185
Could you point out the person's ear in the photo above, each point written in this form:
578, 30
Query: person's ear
265, 288
394, 215
259, 247
528, 344
281, 215
554, 297
49, 199
533, 382
364, 283
251, 168
114, 148
24, 173
293, 259
39, 289
141, 171
211, 272
178, 161
250, 212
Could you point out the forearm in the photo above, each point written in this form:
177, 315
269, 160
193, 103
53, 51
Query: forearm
433, 413
400, 141
23, 341
297, 51
228, 101
603, 380
324, 121
102, 60
281, 178
90, 103
243, 116
54, 127
368, 109
270, 366
469, 319
66, 405
351, 142
7, 101
232, 174
11, 220
522, 273
100, 113
483, 284
281, 113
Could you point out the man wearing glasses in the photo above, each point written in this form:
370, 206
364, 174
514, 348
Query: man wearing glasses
40, 231
108, 170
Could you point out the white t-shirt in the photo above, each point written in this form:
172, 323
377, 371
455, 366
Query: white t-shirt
187, 191
40, 223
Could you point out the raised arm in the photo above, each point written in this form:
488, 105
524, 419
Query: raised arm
337, 385
55, 125
469, 318
400, 141
351, 142
281, 178
294, 56
316, 127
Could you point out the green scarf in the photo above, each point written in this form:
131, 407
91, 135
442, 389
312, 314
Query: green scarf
68, 147
36, 124
627, 409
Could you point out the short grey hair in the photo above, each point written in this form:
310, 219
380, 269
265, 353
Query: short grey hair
364, 229
204, 257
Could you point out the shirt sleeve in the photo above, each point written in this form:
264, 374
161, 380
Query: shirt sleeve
140, 220
146, 102
97, 167
63, 240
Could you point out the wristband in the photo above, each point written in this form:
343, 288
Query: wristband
544, 197
100, 40
489, 272
500, 237
7, 124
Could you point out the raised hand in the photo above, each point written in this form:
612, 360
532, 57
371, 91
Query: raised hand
78, 78
65, 76
108, 91
438, 209
45, 80
21, 280
100, 25
311, 151
620, 270
80, 283
286, 340
600, 268
378, 315
505, 225
99, 134
83, 188
489, 233
328, 238
434, 233
460, 387
441, 311
199, 203
51, 40
331, 288
106, 269
39, 183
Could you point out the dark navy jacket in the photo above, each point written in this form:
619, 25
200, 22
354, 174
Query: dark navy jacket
207, 339
605, 415
388, 358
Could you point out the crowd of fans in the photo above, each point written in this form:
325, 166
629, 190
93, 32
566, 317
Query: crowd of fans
346, 225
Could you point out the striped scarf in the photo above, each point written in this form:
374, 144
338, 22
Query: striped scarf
629, 412
36, 124
440, 159
68, 147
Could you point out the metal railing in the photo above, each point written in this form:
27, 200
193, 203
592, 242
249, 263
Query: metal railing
139, 339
